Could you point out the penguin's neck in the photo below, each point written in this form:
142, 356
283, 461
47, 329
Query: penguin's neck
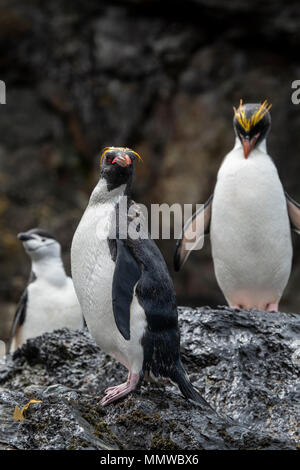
262, 145
50, 269
102, 193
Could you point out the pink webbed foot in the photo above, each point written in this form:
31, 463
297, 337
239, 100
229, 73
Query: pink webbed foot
272, 308
115, 393
235, 307
115, 387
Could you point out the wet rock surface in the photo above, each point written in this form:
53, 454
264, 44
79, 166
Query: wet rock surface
246, 364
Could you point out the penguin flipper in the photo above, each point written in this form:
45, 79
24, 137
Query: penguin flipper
126, 275
182, 252
294, 213
18, 318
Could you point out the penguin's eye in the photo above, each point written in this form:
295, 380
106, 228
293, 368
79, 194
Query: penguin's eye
43, 239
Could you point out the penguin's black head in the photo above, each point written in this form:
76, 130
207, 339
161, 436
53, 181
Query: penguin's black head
39, 244
251, 123
117, 165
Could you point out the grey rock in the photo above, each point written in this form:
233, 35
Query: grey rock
250, 365
245, 363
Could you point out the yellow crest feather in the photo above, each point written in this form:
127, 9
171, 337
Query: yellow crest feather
247, 124
123, 149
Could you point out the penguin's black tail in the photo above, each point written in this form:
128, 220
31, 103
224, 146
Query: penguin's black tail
180, 378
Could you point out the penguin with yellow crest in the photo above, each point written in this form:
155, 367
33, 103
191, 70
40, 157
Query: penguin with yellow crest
249, 218
123, 285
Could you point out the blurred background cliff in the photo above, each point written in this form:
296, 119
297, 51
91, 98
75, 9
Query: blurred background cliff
158, 76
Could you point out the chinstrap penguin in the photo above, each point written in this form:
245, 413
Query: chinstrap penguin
49, 301
249, 217
124, 288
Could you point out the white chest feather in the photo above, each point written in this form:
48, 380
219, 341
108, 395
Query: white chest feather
93, 271
250, 229
50, 307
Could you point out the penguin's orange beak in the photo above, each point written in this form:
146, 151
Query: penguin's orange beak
122, 160
248, 144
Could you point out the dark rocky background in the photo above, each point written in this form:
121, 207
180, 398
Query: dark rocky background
246, 365
160, 77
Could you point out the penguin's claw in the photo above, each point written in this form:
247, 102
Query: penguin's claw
119, 391
116, 387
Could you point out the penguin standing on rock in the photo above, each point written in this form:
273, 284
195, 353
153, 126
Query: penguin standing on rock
123, 286
249, 217
49, 301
